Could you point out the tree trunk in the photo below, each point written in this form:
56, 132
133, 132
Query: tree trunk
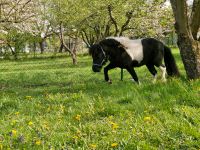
61, 47
190, 54
74, 57
67, 48
187, 30
42, 46
34, 48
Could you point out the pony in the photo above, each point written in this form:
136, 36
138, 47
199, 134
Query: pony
127, 53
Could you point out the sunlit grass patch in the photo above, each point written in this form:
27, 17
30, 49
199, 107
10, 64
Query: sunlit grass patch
50, 104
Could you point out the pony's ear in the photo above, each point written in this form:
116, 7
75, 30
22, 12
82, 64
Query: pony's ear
90, 49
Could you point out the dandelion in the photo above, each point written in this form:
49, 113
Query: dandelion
30, 123
147, 119
62, 108
38, 142
93, 146
114, 145
1, 146
78, 117
78, 132
114, 125
28, 97
45, 126
75, 137
17, 113
14, 132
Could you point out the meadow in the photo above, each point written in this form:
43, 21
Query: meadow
51, 104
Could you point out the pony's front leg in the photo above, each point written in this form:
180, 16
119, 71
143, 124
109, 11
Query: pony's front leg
133, 74
108, 67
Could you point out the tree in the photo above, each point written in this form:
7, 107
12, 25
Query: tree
12, 16
187, 25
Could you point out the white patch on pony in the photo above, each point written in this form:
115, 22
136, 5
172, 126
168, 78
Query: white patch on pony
135, 81
134, 48
155, 78
163, 70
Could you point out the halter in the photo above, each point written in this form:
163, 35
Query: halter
104, 54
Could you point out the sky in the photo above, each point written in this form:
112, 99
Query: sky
167, 3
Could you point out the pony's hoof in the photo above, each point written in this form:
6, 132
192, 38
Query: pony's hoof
137, 82
109, 81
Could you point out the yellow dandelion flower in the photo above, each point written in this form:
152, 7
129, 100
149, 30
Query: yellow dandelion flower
17, 113
78, 117
114, 125
75, 137
28, 97
30, 123
38, 142
1, 146
78, 132
62, 108
45, 126
14, 132
147, 119
93, 146
113, 145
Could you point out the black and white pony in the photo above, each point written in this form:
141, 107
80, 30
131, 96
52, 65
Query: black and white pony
127, 53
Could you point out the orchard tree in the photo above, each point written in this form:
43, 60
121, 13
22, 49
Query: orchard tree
138, 18
187, 23
12, 15
65, 16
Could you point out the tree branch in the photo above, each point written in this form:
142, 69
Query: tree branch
180, 13
195, 18
113, 19
129, 16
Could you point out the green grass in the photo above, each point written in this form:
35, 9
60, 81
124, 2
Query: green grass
51, 104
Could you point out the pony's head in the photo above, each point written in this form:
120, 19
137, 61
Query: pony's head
98, 56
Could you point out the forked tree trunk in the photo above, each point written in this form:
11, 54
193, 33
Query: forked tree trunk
72, 52
188, 42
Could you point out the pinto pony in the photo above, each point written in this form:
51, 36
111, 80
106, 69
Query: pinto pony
128, 53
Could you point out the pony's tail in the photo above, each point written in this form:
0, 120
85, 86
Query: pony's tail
170, 63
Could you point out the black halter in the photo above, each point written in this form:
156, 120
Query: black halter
103, 60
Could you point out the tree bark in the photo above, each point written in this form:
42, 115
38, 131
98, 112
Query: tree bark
61, 47
34, 48
187, 43
190, 54
42, 46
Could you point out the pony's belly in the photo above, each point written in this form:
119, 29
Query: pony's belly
136, 63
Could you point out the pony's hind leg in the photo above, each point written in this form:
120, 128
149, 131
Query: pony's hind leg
163, 70
153, 71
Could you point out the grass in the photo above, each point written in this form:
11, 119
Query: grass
51, 104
